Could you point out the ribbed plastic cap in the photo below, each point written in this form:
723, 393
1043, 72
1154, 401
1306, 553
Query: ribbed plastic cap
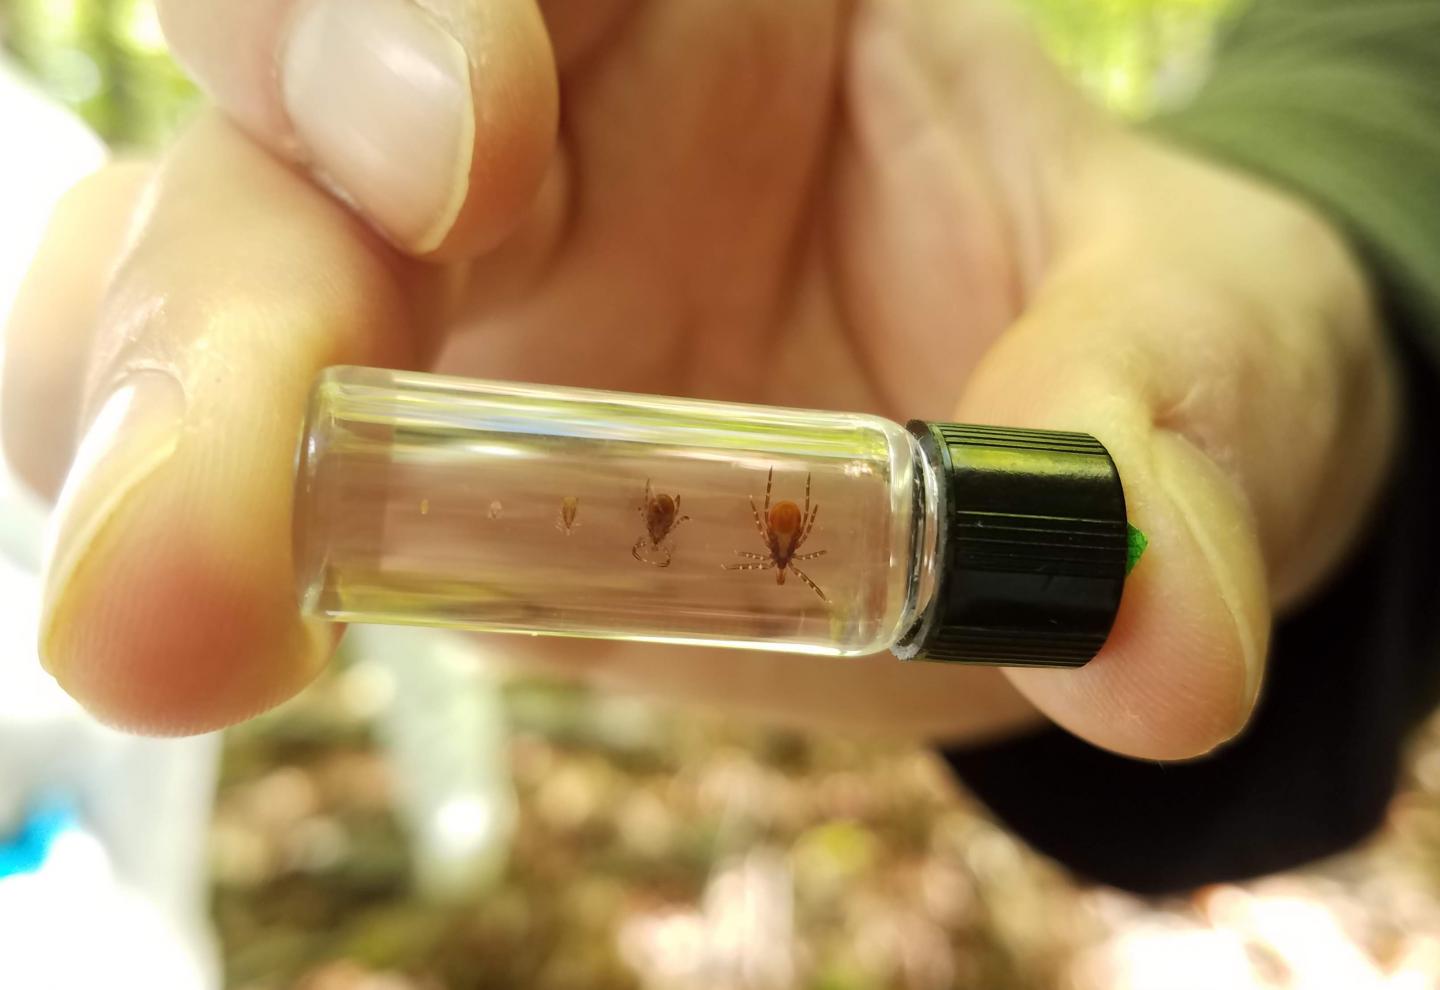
1033, 542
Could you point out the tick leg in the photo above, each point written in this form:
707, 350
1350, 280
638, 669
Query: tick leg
756, 566
760, 523
678, 519
811, 584
752, 556
635, 552
769, 480
809, 523
809, 556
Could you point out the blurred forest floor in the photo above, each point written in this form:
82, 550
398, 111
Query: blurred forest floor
657, 849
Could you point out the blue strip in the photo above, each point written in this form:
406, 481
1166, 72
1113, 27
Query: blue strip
26, 850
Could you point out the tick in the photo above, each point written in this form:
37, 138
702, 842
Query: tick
569, 505
662, 515
784, 527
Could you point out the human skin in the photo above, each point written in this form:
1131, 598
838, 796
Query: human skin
895, 206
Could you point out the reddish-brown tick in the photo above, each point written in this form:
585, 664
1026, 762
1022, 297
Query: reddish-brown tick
784, 527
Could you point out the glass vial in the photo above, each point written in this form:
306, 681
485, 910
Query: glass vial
429, 500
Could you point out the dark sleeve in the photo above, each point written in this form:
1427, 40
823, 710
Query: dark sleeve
1339, 101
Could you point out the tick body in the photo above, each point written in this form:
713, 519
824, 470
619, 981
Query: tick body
662, 515
784, 527
569, 506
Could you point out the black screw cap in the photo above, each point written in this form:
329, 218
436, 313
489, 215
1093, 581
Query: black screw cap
1033, 547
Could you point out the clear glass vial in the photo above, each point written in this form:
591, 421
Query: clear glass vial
495, 506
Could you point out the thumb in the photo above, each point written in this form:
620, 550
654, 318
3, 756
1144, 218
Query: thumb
168, 601
1249, 415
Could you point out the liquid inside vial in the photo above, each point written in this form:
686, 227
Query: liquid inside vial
512, 508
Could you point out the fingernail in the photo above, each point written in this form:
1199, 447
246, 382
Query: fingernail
135, 432
379, 96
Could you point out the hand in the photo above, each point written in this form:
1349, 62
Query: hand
799, 203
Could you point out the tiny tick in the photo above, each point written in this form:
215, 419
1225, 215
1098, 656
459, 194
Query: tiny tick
566, 524
662, 515
784, 528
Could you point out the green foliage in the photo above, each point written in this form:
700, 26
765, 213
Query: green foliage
1130, 53
107, 58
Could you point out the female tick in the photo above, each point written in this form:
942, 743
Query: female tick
784, 527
